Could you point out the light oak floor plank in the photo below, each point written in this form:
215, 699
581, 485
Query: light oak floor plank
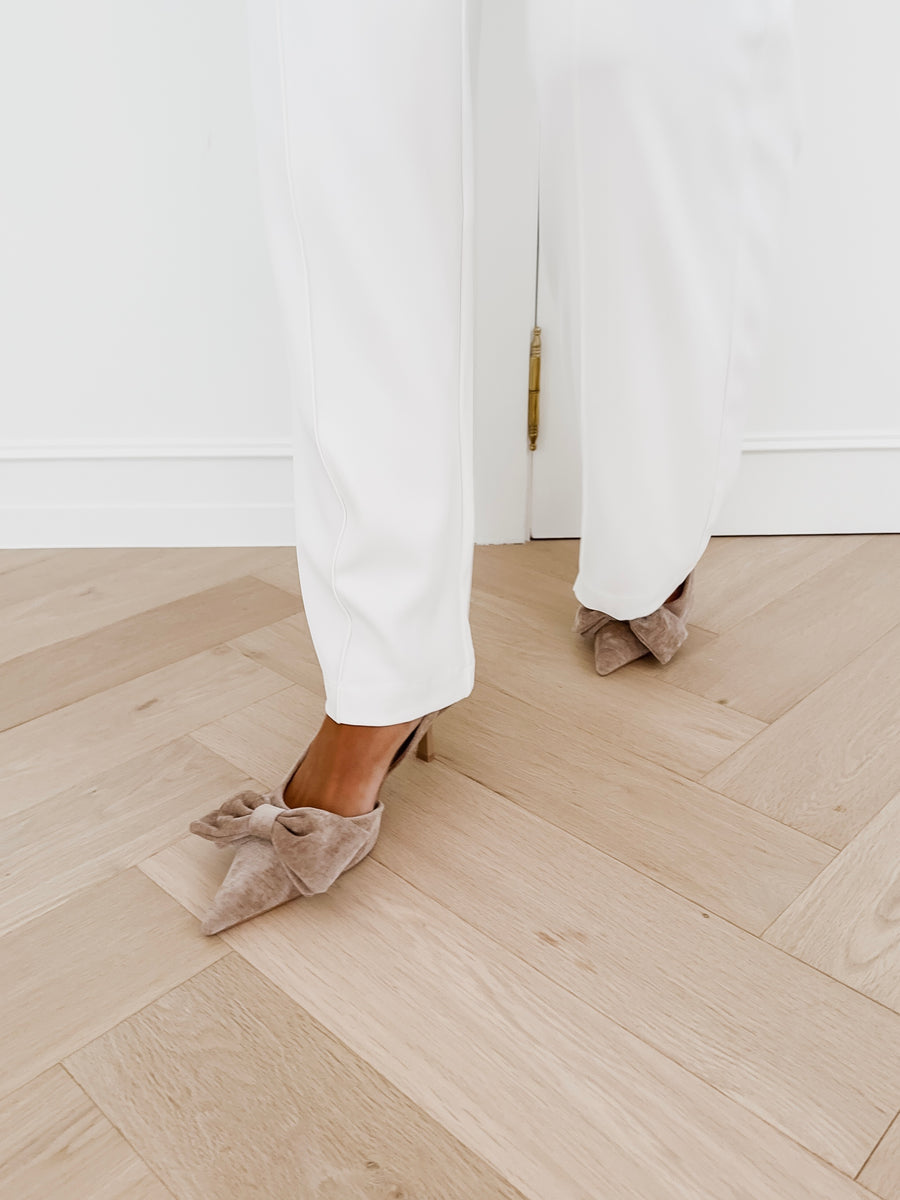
315, 1120
79, 969
832, 762
768, 662
538, 599
881, 1174
107, 823
29, 576
264, 739
14, 560
533, 600
64, 748
286, 647
55, 1144
281, 571
688, 734
740, 864
736, 577
812, 1057
559, 1099
71, 670
58, 613
551, 958
739, 576
847, 922
550, 556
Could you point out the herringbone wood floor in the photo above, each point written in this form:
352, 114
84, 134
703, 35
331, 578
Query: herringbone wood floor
626, 937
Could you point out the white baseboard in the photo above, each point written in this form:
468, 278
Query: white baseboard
146, 494
83, 525
241, 494
816, 483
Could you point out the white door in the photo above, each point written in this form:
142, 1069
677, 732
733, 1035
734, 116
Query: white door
506, 172
555, 501
822, 446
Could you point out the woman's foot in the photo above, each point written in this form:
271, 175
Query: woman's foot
345, 767
660, 633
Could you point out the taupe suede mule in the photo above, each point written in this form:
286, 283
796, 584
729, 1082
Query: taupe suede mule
616, 643
283, 852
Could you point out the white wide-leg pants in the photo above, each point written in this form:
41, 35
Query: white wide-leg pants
667, 137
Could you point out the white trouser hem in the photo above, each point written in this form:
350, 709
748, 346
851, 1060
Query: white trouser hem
627, 608
380, 706
622, 608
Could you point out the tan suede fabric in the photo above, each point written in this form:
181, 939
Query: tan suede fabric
281, 852
660, 633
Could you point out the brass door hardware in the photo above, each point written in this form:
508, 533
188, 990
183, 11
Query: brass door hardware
534, 388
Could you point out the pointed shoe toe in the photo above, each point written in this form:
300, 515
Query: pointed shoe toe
661, 633
614, 646
281, 853
255, 883
614, 643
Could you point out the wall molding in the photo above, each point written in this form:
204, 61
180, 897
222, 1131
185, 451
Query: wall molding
166, 492
146, 448
815, 483
831, 440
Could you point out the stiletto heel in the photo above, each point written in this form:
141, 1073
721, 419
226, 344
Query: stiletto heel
281, 852
420, 741
426, 750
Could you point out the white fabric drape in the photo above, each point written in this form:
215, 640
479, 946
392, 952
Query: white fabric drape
666, 135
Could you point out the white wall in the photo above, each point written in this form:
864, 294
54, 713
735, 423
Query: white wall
822, 451
142, 373
142, 376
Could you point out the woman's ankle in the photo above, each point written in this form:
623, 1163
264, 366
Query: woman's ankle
345, 767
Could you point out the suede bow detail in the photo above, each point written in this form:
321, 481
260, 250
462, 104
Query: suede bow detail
589, 621
311, 845
281, 852
660, 633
